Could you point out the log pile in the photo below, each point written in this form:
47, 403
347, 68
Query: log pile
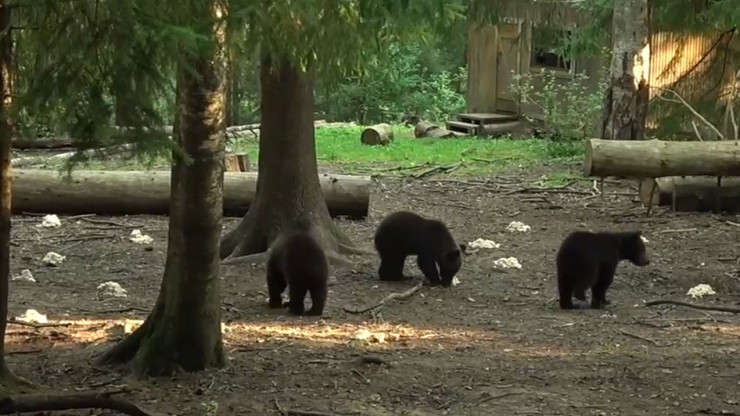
688, 176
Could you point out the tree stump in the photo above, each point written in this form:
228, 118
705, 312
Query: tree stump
379, 134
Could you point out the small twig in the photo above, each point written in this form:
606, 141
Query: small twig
392, 296
678, 230
362, 376
693, 305
436, 169
90, 237
635, 336
32, 351
498, 396
33, 325
109, 222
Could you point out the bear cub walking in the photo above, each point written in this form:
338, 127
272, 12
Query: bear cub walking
298, 262
588, 260
404, 233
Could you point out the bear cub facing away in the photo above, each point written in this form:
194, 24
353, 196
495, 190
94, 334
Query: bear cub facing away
588, 260
298, 262
404, 233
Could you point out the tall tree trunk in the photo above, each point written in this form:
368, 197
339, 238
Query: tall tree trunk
288, 192
125, 104
625, 109
184, 329
8, 382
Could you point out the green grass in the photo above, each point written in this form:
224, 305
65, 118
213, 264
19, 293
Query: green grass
341, 146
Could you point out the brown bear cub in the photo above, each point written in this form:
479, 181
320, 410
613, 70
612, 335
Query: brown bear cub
404, 233
588, 260
298, 262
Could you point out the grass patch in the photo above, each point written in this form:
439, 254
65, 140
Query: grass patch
341, 146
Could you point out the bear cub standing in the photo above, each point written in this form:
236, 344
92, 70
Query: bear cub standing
588, 260
298, 262
404, 233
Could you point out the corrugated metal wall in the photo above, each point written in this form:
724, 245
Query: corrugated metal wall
691, 65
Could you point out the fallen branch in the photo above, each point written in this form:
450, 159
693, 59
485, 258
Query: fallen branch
44, 403
396, 295
438, 169
34, 325
693, 305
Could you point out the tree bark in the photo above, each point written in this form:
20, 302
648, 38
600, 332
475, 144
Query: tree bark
655, 158
8, 381
137, 192
184, 329
288, 192
625, 108
692, 193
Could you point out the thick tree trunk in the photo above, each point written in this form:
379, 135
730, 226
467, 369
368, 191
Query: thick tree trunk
125, 103
8, 382
184, 329
288, 191
656, 158
626, 101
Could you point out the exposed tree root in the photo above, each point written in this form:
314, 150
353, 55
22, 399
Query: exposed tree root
125, 351
693, 305
250, 241
256, 258
44, 403
11, 383
393, 296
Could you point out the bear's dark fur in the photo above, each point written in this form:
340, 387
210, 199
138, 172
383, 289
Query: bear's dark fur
404, 233
588, 260
298, 262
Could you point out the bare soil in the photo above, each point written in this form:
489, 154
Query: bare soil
494, 344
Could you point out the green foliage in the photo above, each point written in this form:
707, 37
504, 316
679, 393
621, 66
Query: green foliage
394, 86
569, 105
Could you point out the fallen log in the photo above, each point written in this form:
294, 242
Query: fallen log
692, 193
103, 152
656, 158
379, 134
43, 403
23, 143
147, 192
429, 129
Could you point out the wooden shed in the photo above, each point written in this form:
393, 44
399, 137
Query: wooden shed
514, 46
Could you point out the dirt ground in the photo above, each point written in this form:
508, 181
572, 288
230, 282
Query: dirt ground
494, 344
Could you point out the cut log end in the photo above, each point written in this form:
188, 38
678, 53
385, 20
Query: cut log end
588, 157
237, 162
379, 134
